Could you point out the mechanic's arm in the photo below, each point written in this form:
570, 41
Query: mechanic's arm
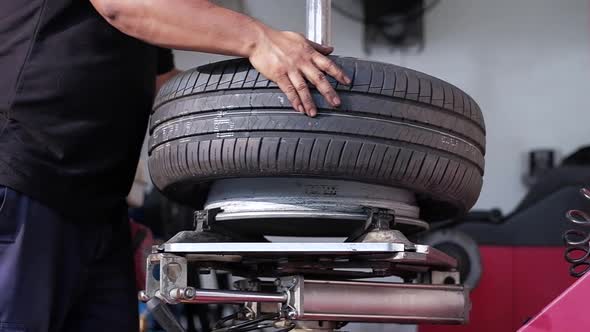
198, 25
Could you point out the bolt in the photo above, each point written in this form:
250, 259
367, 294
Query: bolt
291, 315
175, 293
189, 293
142, 296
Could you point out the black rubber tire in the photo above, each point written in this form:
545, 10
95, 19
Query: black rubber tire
395, 127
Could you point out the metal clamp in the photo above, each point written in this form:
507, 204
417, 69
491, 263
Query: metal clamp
203, 219
166, 278
292, 287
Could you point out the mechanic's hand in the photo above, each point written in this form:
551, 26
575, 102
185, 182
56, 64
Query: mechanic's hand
288, 59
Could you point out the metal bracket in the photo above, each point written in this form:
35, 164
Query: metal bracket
203, 219
378, 228
166, 277
293, 287
445, 278
381, 219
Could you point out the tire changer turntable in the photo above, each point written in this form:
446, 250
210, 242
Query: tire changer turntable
308, 286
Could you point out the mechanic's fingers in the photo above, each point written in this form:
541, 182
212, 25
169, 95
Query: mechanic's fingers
303, 91
287, 87
318, 79
325, 50
329, 67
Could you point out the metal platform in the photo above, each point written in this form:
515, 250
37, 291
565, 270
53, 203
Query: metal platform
279, 250
384, 253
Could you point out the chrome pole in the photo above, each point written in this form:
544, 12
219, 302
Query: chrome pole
319, 21
212, 296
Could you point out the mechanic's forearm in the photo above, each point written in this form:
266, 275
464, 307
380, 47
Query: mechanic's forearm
195, 25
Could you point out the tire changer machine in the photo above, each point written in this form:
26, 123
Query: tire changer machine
305, 286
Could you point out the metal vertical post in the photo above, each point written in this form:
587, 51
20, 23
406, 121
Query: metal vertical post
319, 21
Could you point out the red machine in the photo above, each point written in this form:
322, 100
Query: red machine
565, 313
512, 290
525, 279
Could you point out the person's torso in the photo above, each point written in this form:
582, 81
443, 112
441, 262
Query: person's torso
75, 96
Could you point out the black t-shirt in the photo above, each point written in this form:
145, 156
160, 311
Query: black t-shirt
75, 96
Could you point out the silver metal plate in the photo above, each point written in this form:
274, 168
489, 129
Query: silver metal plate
283, 248
344, 260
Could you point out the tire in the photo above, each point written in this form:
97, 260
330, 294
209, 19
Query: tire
395, 127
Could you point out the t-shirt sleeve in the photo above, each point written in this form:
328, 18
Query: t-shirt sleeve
165, 60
